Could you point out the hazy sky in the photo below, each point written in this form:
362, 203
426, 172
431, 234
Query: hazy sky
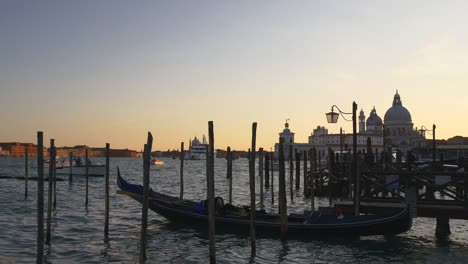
91, 72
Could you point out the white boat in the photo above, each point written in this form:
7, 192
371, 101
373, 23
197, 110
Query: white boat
197, 149
79, 168
157, 162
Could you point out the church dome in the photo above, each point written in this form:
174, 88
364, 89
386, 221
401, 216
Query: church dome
374, 119
397, 113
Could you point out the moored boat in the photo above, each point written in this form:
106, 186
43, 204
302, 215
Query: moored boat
78, 168
233, 218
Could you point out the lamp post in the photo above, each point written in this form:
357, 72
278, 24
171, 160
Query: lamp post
341, 153
423, 131
332, 117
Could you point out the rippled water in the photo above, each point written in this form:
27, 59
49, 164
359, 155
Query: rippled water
77, 231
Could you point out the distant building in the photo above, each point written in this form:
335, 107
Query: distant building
454, 148
17, 149
395, 132
122, 153
398, 128
288, 139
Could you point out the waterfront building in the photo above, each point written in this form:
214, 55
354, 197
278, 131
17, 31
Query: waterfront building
398, 128
288, 139
395, 132
17, 149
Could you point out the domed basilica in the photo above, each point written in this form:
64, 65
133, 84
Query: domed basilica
398, 127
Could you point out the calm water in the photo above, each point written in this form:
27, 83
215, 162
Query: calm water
77, 231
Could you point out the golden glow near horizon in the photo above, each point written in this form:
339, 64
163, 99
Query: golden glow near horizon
96, 72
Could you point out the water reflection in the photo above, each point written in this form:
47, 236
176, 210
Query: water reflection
78, 231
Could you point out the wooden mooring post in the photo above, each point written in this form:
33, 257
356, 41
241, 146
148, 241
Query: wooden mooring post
54, 176
107, 205
211, 193
331, 170
87, 177
282, 191
267, 169
70, 176
306, 193
319, 172
182, 154
229, 172
291, 172
260, 172
49, 191
313, 167
298, 170
40, 199
146, 183
272, 179
25, 172
252, 190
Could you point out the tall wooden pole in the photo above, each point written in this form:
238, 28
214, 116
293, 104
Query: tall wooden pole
313, 169
340, 182
306, 193
320, 174
87, 177
146, 183
49, 196
229, 172
182, 154
434, 150
260, 172
40, 199
25, 172
267, 169
331, 173
211, 193
282, 191
207, 171
70, 176
54, 175
252, 189
355, 164
272, 179
298, 170
291, 172
106, 220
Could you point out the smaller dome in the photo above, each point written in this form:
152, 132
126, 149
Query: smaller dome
374, 119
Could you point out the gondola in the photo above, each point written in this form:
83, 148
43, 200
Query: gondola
234, 219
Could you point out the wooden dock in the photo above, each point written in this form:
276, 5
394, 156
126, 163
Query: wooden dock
431, 209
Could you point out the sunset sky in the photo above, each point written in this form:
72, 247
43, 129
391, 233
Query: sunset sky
91, 72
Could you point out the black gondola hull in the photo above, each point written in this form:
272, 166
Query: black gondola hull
176, 210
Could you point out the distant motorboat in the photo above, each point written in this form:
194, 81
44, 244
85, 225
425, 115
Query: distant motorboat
157, 162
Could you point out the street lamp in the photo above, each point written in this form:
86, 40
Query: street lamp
332, 117
423, 131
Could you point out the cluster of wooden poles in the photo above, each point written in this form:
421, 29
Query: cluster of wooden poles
210, 187
52, 181
146, 173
